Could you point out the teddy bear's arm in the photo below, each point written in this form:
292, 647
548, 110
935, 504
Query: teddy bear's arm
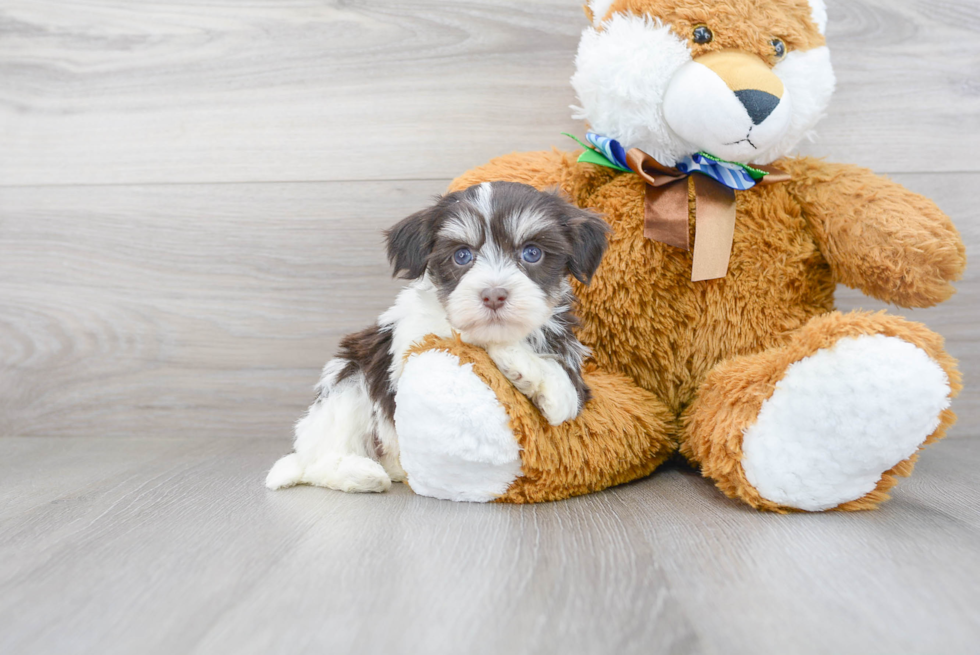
878, 236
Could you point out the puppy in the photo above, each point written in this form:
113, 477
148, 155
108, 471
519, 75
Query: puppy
489, 263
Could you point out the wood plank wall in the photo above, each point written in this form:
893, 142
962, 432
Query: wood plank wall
192, 195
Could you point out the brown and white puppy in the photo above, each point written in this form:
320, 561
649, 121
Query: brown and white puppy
489, 263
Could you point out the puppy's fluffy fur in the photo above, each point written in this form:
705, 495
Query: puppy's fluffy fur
489, 263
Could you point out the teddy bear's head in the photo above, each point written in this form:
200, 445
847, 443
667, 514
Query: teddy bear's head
743, 80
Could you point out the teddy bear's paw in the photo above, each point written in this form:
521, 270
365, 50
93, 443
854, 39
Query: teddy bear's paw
841, 418
557, 398
455, 437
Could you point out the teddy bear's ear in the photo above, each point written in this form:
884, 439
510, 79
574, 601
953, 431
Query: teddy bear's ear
410, 242
588, 236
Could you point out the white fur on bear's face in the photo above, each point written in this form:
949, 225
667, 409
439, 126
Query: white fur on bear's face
809, 80
599, 9
621, 77
703, 111
637, 83
819, 11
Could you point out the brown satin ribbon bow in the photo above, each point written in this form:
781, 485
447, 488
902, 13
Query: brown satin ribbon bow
666, 209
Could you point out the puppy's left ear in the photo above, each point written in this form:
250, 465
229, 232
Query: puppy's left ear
410, 242
588, 235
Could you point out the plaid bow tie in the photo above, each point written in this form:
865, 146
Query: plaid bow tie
666, 205
733, 175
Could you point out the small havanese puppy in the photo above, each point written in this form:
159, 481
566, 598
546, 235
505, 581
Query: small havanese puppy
490, 264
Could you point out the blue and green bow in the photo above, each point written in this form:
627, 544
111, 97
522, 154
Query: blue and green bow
666, 205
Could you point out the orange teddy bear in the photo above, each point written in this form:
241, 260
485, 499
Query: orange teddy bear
729, 352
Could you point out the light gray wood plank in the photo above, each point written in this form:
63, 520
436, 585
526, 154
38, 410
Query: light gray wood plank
242, 90
175, 546
827, 583
159, 310
155, 310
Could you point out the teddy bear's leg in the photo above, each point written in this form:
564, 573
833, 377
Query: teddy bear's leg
466, 433
829, 419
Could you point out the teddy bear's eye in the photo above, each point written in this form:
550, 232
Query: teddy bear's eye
778, 47
703, 35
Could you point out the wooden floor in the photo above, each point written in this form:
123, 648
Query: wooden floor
191, 203
173, 546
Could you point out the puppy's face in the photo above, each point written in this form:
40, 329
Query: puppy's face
498, 254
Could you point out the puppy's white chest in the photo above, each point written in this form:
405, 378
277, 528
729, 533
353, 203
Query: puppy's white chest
416, 314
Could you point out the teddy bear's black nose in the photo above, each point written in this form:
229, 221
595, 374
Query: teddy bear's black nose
759, 104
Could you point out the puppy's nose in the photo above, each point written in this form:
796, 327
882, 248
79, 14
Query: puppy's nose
494, 298
759, 104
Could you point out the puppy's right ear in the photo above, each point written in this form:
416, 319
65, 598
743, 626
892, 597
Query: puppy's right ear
589, 234
410, 243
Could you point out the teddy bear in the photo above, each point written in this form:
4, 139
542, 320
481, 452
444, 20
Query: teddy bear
711, 320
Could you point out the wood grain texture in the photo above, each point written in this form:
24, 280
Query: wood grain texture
109, 91
158, 310
173, 546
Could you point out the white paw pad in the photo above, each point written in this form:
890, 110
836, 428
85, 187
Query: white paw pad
840, 418
454, 436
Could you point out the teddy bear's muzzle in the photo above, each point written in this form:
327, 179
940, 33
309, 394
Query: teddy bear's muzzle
728, 103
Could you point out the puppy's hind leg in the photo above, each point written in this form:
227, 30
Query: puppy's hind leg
334, 445
286, 472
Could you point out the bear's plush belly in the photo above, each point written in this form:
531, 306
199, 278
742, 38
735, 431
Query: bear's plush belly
644, 317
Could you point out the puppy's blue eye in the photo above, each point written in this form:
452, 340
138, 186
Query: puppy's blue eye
531, 254
463, 256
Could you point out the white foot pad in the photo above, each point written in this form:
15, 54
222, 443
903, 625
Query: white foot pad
455, 438
842, 417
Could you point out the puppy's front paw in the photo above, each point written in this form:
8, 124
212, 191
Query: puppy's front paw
557, 400
516, 367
